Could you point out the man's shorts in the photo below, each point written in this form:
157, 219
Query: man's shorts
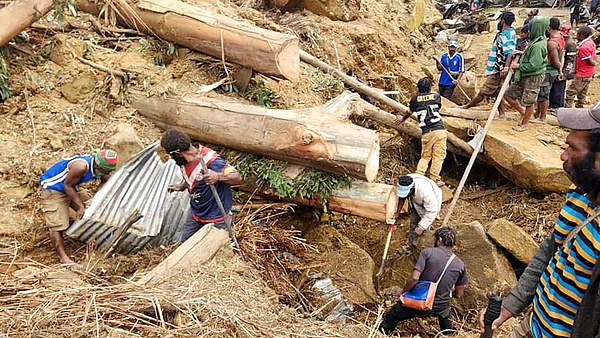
546, 87
527, 89
55, 206
492, 85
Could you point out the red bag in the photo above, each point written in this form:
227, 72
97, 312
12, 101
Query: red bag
422, 295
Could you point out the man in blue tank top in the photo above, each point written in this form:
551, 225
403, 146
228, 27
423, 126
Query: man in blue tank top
59, 192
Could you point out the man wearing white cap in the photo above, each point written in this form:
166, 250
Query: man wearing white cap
452, 67
562, 280
424, 201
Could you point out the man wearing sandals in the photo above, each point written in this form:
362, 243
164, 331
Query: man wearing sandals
430, 267
59, 192
562, 280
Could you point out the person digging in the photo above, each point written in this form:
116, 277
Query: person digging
59, 191
424, 201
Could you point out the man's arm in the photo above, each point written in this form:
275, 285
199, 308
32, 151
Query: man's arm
432, 208
77, 169
554, 57
401, 202
459, 291
588, 54
521, 295
412, 281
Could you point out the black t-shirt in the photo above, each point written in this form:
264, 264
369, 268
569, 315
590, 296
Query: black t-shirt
427, 107
431, 263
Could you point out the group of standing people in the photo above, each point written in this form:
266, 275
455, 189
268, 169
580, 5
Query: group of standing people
547, 58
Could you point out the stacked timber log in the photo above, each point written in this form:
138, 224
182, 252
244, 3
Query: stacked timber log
20, 15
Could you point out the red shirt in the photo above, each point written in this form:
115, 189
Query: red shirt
587, 50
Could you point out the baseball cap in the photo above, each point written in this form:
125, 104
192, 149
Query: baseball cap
405, 184
564, 29
452, 43
579, 118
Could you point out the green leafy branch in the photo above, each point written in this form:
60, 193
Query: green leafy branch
5, 91
258, 92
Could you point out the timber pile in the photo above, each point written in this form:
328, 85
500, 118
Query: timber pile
20, 15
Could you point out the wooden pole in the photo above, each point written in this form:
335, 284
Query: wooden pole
352, 82
488, 123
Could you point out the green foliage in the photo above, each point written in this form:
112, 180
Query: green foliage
325, 81
161, 48
308, 184
258, 92
5, 91
61, 5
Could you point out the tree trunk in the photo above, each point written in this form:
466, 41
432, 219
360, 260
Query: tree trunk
197, 250
455, 144
20, 15
262, 50
369, 200
321, 137
482, 115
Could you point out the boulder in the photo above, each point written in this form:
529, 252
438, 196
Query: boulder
125, 142
339, 10
350, 268
468, 83
78, 89
530, 159
512, 238
487, 268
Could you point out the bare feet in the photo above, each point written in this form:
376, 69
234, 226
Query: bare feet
520, 127
538, 120
69, 264
501, 117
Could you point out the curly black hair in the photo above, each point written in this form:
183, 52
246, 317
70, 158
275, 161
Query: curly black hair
424, 85
175, 140
447, 236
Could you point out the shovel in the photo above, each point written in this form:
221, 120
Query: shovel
391, 223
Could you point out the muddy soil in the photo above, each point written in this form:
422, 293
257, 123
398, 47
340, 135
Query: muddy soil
39, 125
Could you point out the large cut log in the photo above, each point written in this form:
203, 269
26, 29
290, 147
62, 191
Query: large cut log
20, 15
530, 159
262, 50
197, 250
321, 137
369, 200
482, 115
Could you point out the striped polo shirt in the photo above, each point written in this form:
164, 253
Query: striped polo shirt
565, 280
504, 45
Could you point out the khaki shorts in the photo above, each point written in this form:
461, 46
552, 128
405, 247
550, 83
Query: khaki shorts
527, 89
492, 85
55, 206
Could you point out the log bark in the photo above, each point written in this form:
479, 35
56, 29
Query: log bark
474, 114
20, 15
262, 50
321, 137
197, 250
455, 144
369, 200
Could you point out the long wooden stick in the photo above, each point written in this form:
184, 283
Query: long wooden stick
488, 123
352, 82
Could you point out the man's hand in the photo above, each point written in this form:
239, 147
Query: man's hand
211, 177
419, 230
397, 291
79, 213
399, 120
176, 187
504, 316
561, 76
515, 65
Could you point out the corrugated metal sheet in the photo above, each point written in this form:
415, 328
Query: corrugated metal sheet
140, 184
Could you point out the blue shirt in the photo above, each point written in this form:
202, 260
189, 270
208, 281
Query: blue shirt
504, 45
202, 202
454, 64
566, 278
54, 177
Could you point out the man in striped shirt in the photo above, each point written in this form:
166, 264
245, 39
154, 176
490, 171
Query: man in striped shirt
562, 279
499, 59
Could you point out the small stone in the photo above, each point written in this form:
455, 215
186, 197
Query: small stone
56, 144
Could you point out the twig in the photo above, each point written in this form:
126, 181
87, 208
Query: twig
33, 147
223, 52
98, 66
337, 57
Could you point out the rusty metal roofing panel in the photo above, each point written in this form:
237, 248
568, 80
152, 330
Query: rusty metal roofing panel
140, 184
